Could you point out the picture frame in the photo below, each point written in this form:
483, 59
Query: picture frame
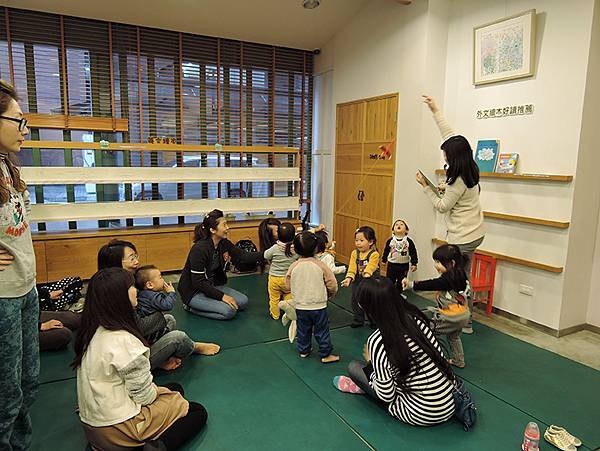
504, 49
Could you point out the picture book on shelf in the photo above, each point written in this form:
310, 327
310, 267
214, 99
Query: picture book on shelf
507, 163
486, 154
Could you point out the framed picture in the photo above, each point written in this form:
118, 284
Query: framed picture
504, 49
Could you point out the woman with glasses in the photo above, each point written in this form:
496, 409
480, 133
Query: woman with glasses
168, 346
459, 198
19, 306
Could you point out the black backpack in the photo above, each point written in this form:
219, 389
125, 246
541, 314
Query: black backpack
246, 246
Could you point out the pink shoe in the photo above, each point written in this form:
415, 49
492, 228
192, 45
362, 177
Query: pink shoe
347, 385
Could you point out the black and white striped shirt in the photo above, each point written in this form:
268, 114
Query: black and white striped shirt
430, 400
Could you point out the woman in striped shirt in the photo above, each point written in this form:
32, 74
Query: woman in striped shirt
405, 372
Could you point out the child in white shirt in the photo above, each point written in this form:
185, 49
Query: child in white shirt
326, 254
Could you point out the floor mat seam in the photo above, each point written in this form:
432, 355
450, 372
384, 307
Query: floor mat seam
360, 436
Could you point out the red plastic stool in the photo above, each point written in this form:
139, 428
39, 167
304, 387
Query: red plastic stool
483, 275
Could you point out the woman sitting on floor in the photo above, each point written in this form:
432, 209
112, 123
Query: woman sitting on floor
168, 346
57, 324
202, 283
56, 329
119, 405
404, 368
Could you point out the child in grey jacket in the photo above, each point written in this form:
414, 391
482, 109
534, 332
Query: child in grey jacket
280, 256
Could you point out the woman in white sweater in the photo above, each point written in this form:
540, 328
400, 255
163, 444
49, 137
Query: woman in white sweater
119, 405
458, 197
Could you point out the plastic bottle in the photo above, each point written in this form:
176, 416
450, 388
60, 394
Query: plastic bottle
531, 437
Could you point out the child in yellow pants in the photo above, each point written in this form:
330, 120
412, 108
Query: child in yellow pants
280, 256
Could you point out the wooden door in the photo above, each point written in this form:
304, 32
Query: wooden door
364, 179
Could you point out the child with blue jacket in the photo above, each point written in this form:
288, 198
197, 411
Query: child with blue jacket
155, 294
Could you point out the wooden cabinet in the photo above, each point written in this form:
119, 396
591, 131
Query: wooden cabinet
364, 178
167, 247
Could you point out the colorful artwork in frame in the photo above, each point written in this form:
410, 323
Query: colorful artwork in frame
504, 49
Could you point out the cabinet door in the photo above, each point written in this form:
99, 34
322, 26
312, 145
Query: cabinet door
347, 195
350, 123
376, 117
343, 234
377, 203
168, 251
348, 158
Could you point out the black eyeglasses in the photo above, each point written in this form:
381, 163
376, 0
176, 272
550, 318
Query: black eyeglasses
22, 122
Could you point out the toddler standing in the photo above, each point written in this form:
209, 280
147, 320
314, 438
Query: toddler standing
312, 284
400, 253
280, 256
364, 263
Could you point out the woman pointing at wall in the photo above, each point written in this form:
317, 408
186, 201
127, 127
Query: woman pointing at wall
458, 196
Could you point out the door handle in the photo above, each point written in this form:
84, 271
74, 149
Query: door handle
361, 195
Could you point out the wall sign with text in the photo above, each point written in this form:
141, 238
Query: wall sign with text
513, 110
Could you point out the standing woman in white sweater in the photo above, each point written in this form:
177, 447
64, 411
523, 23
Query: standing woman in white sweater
459, 195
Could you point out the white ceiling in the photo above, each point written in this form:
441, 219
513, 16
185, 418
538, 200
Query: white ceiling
277, 22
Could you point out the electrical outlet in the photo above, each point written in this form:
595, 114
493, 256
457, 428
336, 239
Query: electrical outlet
526, 290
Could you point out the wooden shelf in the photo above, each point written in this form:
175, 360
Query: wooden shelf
526, 220
158, 147
141, 230
515, 260
527, 177
66, 122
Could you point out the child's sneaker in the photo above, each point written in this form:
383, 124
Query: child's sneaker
562, 431
559, 440
346, 385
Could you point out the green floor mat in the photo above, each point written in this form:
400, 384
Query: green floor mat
248, 327
258, 386
500, 426
54, 365
253, 400
343, 298
55, 423
254, 325
552, 388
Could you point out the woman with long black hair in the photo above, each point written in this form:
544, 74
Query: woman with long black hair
203, 278
458, 197
267, 233
168, 346
404, 368
119, 404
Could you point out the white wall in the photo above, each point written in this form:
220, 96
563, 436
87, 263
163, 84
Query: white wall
427, 47
590, 136
593, 311
392, 48
323, 128
547, 141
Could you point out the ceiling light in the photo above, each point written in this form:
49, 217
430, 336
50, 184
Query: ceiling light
311, 4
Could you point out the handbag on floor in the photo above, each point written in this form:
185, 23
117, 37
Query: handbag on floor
465, 410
